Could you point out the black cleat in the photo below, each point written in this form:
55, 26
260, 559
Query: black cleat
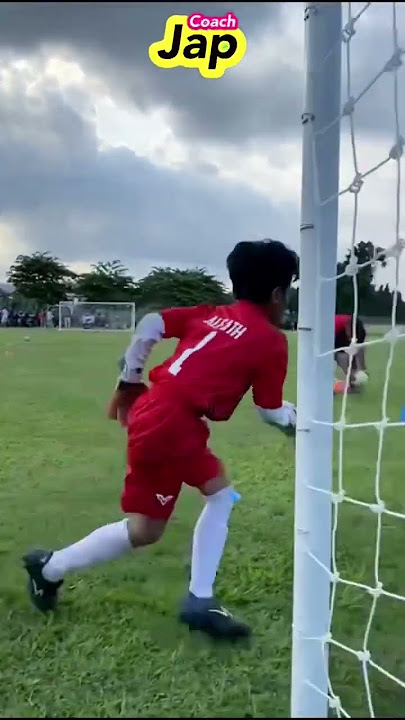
209, 617
43, 593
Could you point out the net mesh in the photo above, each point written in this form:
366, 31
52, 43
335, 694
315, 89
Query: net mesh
96, 316
381, 510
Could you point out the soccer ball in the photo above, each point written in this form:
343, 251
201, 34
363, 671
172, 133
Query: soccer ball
27, 338
360, 378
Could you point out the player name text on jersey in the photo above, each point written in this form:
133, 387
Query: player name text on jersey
230, 327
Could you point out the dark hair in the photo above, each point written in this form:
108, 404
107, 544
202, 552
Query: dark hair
258, 268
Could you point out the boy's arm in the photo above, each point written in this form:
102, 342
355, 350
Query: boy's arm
149, 331
268, 387
153, 328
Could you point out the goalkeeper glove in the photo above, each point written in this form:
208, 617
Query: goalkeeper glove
125, 395
283, 418
291, 415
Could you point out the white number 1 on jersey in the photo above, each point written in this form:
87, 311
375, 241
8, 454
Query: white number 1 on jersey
176, 366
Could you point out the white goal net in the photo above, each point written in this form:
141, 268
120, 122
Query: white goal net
348, 655
97, 316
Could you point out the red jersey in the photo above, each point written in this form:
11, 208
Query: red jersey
222, 352
341, 323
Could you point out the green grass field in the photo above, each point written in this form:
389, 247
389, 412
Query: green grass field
115, 649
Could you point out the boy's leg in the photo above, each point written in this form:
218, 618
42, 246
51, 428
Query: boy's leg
46, 569
361, 359
210, 535
361, 354
148, 502
343, 361
200, 610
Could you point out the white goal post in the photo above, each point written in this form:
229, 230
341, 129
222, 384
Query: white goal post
319, 494
97, 316
314, 453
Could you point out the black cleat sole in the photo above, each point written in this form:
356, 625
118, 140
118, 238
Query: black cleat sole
229, 632
43, 594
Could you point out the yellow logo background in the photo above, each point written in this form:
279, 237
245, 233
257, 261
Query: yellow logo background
198, 63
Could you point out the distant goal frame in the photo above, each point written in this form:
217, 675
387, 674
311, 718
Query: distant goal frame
76, 303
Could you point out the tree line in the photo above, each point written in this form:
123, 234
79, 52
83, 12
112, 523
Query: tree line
43, 280
374, 300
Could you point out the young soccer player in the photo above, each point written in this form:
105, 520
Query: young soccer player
222, 352
343, 337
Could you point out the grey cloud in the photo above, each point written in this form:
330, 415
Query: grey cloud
113, 39
85, 204
123, 30
122, 205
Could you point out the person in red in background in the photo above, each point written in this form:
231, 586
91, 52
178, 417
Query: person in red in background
343, 337
222, 352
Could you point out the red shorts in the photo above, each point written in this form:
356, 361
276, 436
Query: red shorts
167, 446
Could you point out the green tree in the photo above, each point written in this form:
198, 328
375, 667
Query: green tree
165, 287
41, 277
364, 252
107, 282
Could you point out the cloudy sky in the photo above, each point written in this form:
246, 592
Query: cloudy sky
103, 155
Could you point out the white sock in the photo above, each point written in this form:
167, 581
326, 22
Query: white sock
105, 543
209, 540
